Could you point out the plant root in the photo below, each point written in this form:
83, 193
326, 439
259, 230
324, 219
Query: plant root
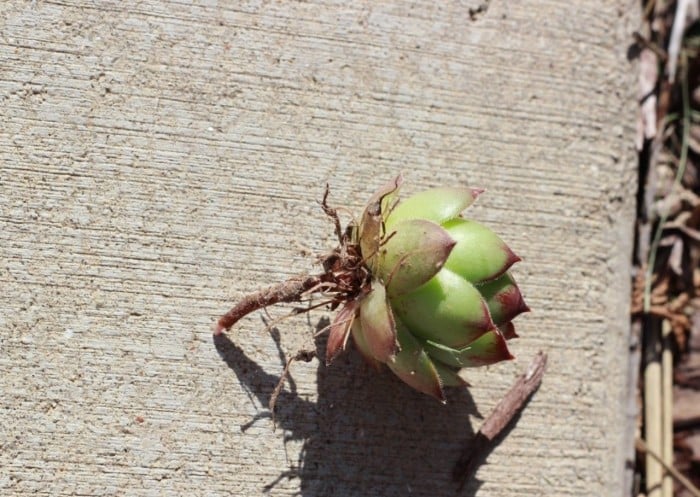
289, 291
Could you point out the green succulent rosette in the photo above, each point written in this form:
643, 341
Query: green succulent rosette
440, 297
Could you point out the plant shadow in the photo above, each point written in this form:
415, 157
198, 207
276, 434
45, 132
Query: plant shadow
367, 433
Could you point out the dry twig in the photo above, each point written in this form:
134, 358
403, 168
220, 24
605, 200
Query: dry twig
642, 447
509, 406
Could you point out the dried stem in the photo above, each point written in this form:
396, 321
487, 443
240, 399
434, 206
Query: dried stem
643, 447
653, 407
288, 291
500, 417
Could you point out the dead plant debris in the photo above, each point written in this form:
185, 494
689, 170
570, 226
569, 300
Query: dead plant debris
666, 288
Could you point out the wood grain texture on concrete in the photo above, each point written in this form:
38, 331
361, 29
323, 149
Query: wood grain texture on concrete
160, 159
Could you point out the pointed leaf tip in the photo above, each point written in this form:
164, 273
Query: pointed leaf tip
503, 298
480, 255
512, 258
508, 331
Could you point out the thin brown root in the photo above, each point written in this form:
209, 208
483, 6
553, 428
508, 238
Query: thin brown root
387, 238
333, 214
324, 285
289, 291
302, 355
349, 212
273, 322
301, 310
328, 327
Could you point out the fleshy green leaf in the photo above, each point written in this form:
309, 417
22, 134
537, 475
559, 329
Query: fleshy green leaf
447, 309
490, 348
415, 251
414, 366
437, 205
378, 325
480, 255
504, 299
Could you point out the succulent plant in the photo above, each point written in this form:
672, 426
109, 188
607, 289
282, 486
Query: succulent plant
420, 288
440, 296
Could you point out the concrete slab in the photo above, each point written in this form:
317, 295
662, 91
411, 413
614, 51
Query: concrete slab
160, 159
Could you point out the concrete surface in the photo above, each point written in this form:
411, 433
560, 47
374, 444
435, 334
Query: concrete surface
159, 159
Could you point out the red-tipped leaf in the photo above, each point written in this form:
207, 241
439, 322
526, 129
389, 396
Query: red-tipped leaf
504, 299
488, 349
480, 255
